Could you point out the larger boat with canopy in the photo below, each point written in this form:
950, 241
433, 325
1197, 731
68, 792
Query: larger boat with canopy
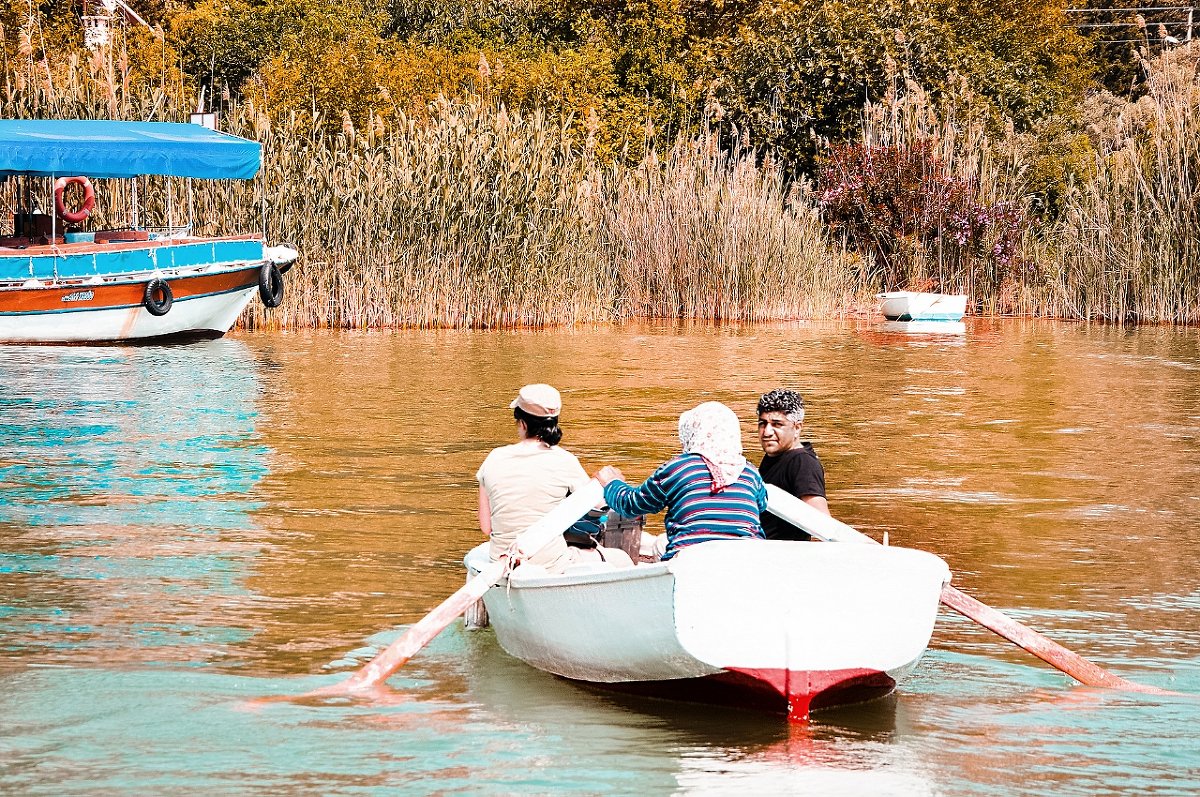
62, 281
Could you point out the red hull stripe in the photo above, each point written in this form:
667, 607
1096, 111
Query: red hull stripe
80, 297
802, 691
778, 691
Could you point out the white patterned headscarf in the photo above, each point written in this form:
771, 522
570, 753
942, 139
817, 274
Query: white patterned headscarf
712, 431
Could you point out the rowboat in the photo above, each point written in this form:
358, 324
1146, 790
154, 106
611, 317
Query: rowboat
63, 283
779, 626
916, 306
788, 627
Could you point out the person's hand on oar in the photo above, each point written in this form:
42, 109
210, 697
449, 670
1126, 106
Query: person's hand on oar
529, 542
824, 527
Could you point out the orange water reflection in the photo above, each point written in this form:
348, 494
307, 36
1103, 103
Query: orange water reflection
1052, 465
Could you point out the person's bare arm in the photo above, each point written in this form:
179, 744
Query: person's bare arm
485, 512
817, 502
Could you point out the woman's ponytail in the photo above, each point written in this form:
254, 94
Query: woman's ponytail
544, 429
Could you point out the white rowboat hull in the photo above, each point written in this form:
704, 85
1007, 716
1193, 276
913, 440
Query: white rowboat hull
783, 626
916, 306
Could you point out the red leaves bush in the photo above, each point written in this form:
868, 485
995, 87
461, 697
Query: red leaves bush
921, 223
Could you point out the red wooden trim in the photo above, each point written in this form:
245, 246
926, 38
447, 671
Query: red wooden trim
79, 295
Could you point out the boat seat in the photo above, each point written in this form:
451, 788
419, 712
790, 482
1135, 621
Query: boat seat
623, 533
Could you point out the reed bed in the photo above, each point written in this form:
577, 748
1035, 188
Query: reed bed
711, 233
1124, 246
475, 215
1128, 246
481, 217
469, 219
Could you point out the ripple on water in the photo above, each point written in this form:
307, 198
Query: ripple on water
190, 528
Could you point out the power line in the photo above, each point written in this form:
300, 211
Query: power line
1122, 24
1126, 10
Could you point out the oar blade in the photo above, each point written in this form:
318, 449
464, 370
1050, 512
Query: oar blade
1049, 651
823, 527
397, 654
528, 542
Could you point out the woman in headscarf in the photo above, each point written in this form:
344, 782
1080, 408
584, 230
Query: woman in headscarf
710, 491
520, 483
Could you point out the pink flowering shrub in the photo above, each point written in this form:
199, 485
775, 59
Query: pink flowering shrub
921, 223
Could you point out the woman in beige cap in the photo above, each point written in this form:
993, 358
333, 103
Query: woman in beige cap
520, 483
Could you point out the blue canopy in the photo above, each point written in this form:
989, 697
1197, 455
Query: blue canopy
102, 148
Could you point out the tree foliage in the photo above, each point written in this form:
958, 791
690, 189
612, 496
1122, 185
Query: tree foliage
785, 74
796, 72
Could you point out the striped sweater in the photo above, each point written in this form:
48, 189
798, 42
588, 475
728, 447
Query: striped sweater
683, 486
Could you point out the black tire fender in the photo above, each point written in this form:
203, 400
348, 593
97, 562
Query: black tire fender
150, 297
270, 284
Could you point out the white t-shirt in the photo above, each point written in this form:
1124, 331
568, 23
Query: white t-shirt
523, 482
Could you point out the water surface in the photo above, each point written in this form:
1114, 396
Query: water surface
185, 528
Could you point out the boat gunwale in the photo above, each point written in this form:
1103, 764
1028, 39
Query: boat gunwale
646, 569
118, 279
85, 247
615, 574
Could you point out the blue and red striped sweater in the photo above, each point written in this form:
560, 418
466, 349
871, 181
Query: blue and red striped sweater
683, 486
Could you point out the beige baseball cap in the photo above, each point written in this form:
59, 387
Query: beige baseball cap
539, 400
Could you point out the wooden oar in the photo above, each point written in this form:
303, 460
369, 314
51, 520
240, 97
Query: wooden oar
790, 508
529, 542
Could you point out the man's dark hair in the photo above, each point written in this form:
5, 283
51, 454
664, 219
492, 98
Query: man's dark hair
788, 402
544, 429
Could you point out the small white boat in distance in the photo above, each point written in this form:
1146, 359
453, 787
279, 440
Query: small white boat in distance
916, 306
782, 626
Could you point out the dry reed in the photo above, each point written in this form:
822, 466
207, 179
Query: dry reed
480, 216
1127, 249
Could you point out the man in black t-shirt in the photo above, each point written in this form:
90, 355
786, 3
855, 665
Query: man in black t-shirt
790, 463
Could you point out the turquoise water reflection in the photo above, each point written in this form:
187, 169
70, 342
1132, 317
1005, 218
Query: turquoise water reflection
185, 529
122, 471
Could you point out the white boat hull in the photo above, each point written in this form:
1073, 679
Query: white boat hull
916, 306
783, 626
210, 315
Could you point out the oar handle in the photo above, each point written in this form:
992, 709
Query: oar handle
528, 543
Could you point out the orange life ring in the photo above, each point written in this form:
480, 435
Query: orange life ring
89, 198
